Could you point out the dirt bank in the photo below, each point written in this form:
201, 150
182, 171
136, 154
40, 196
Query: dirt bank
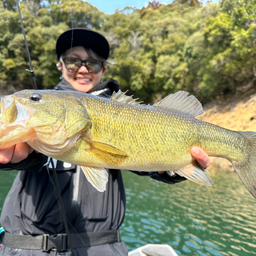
237, 112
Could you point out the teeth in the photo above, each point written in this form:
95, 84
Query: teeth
85, 79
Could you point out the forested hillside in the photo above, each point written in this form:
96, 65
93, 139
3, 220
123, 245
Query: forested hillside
209, 50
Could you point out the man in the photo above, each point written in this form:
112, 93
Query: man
31, 214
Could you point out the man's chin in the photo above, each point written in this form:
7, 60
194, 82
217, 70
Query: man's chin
83, 87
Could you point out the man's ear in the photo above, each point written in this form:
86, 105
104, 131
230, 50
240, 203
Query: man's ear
59, 66
104, 69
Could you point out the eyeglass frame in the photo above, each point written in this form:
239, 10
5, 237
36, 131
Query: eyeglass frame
83, 62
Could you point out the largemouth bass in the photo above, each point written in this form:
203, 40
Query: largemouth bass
119, 133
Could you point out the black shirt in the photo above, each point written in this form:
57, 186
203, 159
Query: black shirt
31, 207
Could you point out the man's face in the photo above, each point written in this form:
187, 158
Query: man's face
81, 80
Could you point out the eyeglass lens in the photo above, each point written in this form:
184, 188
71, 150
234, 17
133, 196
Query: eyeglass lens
73, 65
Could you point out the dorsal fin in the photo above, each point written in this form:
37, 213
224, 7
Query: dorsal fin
182, 102
123, 98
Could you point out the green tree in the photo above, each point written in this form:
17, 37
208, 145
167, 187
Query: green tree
207, 50
229, 60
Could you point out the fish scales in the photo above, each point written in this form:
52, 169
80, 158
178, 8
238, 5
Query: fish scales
118, 133
142, 133
155, 139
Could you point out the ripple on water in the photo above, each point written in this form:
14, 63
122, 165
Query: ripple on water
193, 219
192, 244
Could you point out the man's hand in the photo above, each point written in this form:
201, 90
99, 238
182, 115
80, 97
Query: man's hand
15, 153
201, 157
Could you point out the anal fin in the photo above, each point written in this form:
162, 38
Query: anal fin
98, 177
195, 173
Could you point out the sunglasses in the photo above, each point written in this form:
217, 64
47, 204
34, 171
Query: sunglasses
73, 65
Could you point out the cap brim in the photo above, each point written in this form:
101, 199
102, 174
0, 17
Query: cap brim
89, 39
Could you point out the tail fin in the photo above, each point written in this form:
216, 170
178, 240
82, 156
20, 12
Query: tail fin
246, 169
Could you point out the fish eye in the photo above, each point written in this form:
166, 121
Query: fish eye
35, 96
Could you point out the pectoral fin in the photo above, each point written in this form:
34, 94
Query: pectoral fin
106, 153
195, 173
98, 177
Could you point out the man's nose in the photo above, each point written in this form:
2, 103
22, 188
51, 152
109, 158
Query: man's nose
83, 69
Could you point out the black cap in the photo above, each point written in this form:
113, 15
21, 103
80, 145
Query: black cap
83, 37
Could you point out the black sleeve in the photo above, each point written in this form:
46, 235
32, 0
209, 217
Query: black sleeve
34, 162
166, 178
162, 177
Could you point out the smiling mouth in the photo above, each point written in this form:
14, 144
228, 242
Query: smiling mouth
84, 79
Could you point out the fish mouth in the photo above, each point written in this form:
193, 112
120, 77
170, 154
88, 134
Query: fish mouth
8, 112
12, 112
13, 121
6, 101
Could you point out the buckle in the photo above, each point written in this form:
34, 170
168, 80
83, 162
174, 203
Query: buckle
1, 236
57, 242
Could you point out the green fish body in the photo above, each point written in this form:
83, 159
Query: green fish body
119, 133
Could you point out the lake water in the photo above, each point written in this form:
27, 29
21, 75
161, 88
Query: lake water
193, 219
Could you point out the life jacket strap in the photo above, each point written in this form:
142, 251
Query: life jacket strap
59, 242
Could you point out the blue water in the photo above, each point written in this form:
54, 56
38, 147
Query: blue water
193, 219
